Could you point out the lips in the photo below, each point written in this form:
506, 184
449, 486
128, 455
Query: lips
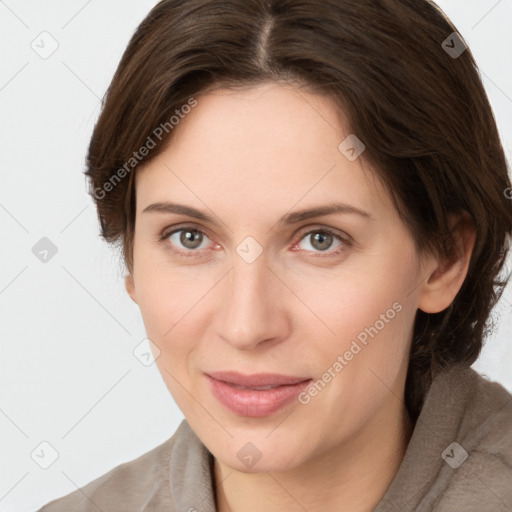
259, 380
255, 395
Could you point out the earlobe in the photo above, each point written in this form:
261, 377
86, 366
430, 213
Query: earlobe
130, 287
446, 277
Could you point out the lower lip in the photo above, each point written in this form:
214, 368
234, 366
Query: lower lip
253, 403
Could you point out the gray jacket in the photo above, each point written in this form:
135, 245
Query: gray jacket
459, 458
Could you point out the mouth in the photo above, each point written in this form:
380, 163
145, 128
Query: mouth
258, 380
255, 395
258, 388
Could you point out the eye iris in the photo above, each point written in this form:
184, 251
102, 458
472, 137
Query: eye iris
324, 240
189, 238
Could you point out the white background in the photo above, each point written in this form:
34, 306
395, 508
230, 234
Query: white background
68, 375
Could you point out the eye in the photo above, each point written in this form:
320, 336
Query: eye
186, 239
322, 239
189, 241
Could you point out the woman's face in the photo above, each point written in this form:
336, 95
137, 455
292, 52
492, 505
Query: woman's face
249, 285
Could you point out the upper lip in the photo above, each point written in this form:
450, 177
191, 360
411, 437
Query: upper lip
257, 379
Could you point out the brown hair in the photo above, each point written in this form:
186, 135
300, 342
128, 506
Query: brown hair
422, 113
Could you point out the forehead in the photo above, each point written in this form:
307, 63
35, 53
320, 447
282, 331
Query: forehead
270, 145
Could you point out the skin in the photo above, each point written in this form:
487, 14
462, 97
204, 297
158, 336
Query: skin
247, 158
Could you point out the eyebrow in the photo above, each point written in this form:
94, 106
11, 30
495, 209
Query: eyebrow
289, 218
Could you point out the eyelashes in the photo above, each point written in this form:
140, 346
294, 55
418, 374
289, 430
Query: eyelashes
328, 234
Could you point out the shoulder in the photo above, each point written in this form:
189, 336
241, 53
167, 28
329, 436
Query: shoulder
479, 463
485, 422
140, 484
460, 453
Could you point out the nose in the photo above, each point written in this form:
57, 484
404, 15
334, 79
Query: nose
252, 305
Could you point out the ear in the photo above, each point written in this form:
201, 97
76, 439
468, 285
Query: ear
130, 286
445, 277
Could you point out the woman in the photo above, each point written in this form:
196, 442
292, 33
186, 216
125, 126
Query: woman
311, 201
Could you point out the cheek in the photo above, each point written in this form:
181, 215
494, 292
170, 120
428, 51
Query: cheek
369, 314
362, 365
171, 312
370, 332
358, 303
167, 310
165, 296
